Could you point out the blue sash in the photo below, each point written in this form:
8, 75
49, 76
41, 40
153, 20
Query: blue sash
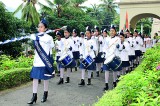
47, 59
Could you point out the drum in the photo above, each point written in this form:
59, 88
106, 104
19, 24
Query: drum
66, 60
113, 62
87, 61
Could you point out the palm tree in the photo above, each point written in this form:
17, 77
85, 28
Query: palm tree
77, 3
55, 5
109, 5
29, 12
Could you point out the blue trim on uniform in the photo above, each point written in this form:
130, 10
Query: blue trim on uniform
72, 65
106, 68
38, 73
76, 55
98, 58
91, 67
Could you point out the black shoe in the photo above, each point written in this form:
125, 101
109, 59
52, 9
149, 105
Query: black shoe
44, 96
97, 73
118, 76
101, 70
89, 81
39, 81
106, 87
34, 99
58, 74
82, 82
114, 84
75, 68
67, 80
91, 74
60, 81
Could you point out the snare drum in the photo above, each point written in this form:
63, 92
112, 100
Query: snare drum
66, 60
113, 62
87, 61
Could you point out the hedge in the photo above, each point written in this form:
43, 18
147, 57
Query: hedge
141, 87
14, 77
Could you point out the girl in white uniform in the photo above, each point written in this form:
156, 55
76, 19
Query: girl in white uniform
123, 48
131, 52
138, 46
39, 68
76, 47
106, 40
58, 44
66, 50
87, 48
98, 59
109, 50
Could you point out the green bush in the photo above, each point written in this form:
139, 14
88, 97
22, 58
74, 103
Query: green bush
7, 62
14, 77
141, 87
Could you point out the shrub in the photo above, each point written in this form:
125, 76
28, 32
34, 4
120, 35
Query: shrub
14, 77
138, 88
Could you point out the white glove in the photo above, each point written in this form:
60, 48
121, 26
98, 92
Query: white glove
33, 37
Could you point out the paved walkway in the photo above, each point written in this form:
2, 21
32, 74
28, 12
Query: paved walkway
59, 95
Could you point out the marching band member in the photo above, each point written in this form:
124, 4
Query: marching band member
148, 42
81, 39
106, 39
87, 49
76, 47
109, 50
138, 46
98, 59
58, 44
66, 50
123, 48
131, 52
42, 69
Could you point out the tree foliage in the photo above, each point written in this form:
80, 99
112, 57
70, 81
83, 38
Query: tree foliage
10, 27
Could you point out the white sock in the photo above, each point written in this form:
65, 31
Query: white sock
89, 73
118, 73
46, 85
127, 68
98, 66
123, 71
68, 72
83, 73
114, 76
58, 67
61, 72
35, 85
106, 76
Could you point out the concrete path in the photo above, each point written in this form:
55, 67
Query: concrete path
59, 95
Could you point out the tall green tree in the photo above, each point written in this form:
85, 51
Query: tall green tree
11, 27
29, 12
109, 6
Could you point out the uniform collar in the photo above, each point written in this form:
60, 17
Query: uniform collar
88, 38
113, 37
66, 38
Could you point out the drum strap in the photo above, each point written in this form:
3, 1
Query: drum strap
112, 44
47, 59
